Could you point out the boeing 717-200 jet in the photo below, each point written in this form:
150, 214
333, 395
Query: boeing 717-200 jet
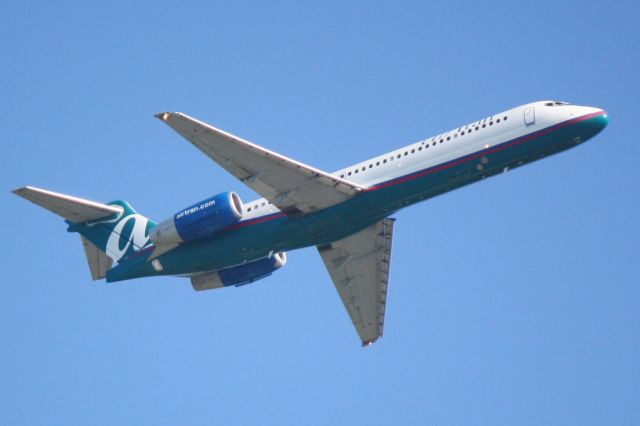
222, 241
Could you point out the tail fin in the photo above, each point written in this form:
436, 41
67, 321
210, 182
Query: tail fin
118, 235
110, 232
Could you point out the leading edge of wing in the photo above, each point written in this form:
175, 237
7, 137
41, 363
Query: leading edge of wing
246, 161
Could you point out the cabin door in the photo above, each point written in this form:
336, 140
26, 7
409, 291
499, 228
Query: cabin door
529, 116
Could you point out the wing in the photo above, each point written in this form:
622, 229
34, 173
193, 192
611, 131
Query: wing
359, 267
293, 187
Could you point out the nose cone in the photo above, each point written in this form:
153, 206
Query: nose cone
596, 121
600, 121
603, 119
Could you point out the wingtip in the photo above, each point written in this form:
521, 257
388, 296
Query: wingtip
19, 191
163, 116
367, 343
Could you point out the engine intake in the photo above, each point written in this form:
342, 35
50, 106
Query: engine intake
199, 220
239, 275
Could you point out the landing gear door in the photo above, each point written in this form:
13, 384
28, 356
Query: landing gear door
530, 116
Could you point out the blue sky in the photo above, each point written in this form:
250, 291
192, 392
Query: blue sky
512, 301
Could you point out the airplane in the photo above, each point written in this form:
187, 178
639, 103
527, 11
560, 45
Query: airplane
221, 241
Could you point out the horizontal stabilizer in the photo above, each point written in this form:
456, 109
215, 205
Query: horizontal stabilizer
74, 209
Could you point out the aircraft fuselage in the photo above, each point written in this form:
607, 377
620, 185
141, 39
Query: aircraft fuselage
393, 181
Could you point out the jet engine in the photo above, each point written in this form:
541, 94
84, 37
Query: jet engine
199, 220
239, 275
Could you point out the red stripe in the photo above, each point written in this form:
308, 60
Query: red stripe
479, 154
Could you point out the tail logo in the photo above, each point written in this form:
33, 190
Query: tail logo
135, 241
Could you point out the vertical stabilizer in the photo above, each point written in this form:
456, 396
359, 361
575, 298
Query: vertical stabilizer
120, 235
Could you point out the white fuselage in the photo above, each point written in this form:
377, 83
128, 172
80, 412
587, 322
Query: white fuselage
445, 147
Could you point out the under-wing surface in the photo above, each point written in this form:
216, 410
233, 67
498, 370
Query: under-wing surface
222, 241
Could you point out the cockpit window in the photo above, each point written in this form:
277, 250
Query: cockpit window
556, 103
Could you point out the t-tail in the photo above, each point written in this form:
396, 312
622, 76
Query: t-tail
109, 232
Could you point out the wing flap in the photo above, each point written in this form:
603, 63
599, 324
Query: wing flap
293, 187
359, 267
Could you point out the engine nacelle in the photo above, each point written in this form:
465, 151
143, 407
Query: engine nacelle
200, 220
239, 275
